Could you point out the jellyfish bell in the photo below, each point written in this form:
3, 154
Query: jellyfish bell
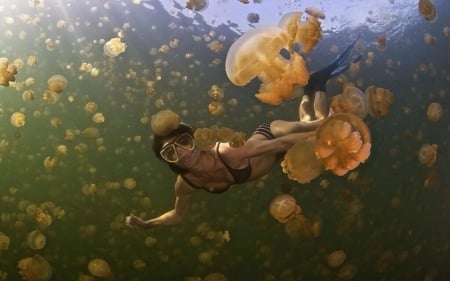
7, 72
18, 119
35, 268
342, 142
197, 5
35, 240
300, 163
257, 54
283, 207
216, 108
427, 10
352, 100
434, 112
114, 47
336, 258
253, 17
428, 154
99, 268
4, 241
57, 83
164, 122
379, 100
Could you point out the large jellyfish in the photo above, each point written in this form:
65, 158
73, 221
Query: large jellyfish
342, 143
35, 268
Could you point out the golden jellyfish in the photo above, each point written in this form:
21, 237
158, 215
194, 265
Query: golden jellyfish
28, 95
90, 133
309, 33
253, 17
315, 12
353, 100
216, 108
57, 83
61, 150
99, 268
90, 107
257, 54
197, 5
380, 101
4, 241
429, 39
35, 240
297, 225
446, 31
114, 47
18, 119
164, 122
215, 277
336, 258
98, 118
50, 97
300, 163
342, 143
283, 207
7, 72
381, 41
35, 268
428, 154
215, 93
129, 183
427, 10
434, 112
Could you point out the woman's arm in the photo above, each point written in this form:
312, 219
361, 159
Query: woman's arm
258, 147
174, 216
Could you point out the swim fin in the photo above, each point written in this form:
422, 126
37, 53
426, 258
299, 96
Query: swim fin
318, 80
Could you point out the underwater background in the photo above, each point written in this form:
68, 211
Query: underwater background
390, 224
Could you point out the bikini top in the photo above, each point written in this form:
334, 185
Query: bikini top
239, 175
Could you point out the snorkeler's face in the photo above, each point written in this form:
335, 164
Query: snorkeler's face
171, 149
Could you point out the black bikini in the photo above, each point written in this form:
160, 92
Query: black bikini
239, 175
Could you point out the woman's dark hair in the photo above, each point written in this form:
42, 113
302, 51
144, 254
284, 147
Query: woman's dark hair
158, 143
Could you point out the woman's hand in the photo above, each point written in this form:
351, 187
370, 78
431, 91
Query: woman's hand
135, 222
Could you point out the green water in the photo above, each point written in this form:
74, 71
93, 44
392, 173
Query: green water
390, 226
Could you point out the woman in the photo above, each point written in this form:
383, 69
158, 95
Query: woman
215, 170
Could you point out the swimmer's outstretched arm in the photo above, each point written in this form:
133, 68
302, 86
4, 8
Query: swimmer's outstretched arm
172, 217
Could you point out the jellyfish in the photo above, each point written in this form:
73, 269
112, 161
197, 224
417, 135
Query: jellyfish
90, 107
35, 268
197, 5
98, 118
315, 12
434, 112
216, 108
257, 54
129, 183
427, 10
114, 47
164, 122
216, 93
353, 100
283, 207
215, 277
18, 119
7, 72
4, 241
57, 83
428, 154
380, 101
342, 143
35, 240
336, 258
90, 133
253, 17
300, 163
381, 41
99, 268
